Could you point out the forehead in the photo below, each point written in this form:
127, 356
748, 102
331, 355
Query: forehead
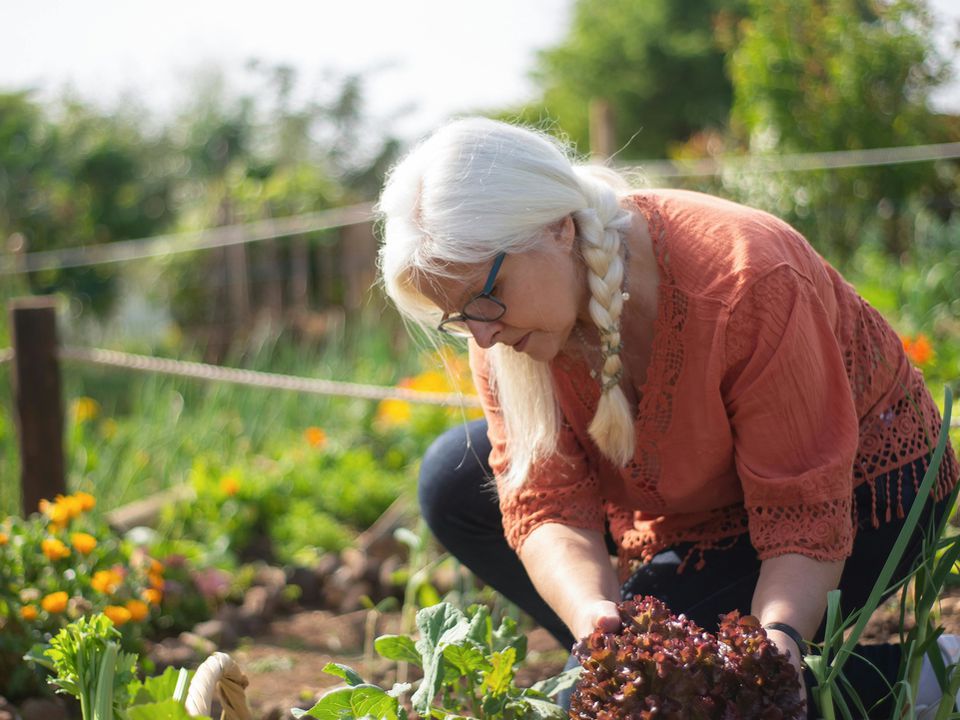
458, 282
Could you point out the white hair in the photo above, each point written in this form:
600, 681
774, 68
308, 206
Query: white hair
476, 188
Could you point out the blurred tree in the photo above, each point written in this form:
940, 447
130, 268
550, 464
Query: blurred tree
80, 179
273, 153
659, 63
823, 75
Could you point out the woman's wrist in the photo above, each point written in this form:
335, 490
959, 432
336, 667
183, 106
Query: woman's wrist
790, 632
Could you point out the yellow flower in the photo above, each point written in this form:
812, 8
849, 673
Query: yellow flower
54, 549
138, 610
152, 596
316, 437
393, 413
106, 581
29, 612
86, 500
4, 539
83, 543
118, 614
54, 602
229, 485
85, 408
56, 512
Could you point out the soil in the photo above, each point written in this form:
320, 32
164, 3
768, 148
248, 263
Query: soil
284, 663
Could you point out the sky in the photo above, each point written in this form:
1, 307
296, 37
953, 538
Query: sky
424, 59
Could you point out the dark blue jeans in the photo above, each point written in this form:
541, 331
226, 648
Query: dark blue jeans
459, 503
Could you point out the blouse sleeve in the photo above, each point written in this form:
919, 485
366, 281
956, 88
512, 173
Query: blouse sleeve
793, 418
559, 489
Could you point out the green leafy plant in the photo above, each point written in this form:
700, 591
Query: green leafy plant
468, 665
87, 663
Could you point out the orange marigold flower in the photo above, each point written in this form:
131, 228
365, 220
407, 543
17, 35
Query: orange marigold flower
106, 581
54, 549
156, 581
156, 567
72, 505
86, 500
4, 539
118, 614
919, 349
138, 610
29, 612
152, 596
229, 485
316, 437
54, 602
83, 543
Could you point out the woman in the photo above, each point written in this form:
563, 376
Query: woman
664, 374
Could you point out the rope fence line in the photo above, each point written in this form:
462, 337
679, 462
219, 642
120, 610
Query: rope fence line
257, 231
256, 378
174, 243
802, 161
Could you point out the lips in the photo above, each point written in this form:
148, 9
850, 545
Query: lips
522, 343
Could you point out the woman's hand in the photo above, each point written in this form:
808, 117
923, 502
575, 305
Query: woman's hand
786, 645
596, 615
572, 570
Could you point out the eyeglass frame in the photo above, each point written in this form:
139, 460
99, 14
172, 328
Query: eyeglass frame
484, 294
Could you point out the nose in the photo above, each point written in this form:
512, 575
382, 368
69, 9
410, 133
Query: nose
484, 332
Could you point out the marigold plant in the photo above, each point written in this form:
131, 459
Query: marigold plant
61, 564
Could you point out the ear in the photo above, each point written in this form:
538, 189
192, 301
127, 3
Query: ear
565, 232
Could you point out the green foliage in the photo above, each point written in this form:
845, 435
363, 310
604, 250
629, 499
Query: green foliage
82, 179
58, 566
839, 75
308, 501
88, 664
659, 64
468, 672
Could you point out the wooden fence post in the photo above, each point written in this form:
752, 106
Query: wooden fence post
38, 401
602, 129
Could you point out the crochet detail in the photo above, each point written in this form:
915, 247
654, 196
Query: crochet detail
655, 399
573, 497
823, 530
638, 544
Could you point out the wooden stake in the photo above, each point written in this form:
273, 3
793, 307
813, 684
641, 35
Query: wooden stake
37, 400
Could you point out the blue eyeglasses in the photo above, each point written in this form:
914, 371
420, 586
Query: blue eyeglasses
482, 307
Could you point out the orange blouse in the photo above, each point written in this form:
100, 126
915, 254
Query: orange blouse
772, 391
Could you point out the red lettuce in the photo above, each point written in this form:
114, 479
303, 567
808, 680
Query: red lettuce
663, 666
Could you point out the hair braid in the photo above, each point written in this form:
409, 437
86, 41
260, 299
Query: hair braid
601, 234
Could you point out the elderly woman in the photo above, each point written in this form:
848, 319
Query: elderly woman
665, 375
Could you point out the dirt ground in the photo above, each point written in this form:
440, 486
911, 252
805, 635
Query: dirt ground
284, 664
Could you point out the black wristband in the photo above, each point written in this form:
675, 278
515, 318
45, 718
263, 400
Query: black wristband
790, 632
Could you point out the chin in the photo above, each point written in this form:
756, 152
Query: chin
538, 349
